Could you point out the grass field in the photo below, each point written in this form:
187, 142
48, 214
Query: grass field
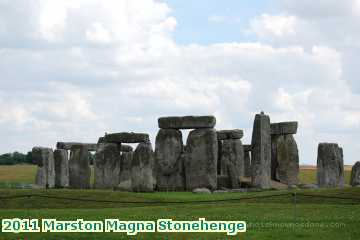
332, 216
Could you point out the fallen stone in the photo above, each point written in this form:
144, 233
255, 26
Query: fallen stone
107, 166
201, 191
284, 159
245, 182
261, 152
61, 168
142, 178
278, 185
44, 158
127, 137
283, 128
125, 166
187, 122
169, 165
201, 159
230, 134
355, 174
69, 145
79, 167
124, 186
330, 165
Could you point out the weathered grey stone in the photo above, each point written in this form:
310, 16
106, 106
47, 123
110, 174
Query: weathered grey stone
355, 175
69, 145
230, 134
142, 178
201, 191
220, 191
124, 186
232, 161
187, 122
169, 166
127, 137
283, 128
126, 148
201, 159
261, 152
107, 166
284, 159
44, 158
61, 168
79, 167
125, 166
241, 190
247, 164
330, 165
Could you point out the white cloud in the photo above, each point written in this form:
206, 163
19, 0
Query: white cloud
97, 66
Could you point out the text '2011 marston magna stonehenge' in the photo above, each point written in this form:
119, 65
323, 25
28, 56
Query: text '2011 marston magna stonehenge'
211, 159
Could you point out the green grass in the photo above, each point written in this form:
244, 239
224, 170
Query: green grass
267, 218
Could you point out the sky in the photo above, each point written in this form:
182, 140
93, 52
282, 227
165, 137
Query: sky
73, 70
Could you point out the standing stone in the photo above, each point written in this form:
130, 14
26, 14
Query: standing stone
168, 161
44, 158
261, 152
142, 178
355, 175
330, 165
107, 166
79, 167
61, 168
201, 159
247, 160
125, 166
232, 161
285, 159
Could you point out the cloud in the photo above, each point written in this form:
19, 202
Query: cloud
73, 70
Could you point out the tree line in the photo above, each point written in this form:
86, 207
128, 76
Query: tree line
21, 158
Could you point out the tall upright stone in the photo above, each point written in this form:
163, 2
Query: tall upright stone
79, 167
201, 159
142, 177
107, 166
247, 160
232, 161
261, 152
284, 153
44, 158
330, 165
355, 175
61, 168
168, 161
284, 159
125, 166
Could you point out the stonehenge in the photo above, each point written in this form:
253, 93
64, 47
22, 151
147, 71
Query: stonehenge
210, 160
44, 158
330, 165
261, 152
284, 153
355, 175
